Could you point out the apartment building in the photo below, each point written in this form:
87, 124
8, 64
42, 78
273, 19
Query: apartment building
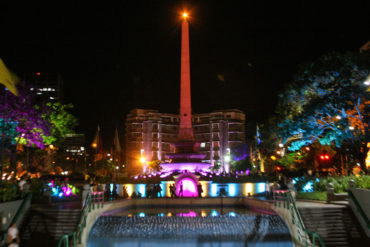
150, 134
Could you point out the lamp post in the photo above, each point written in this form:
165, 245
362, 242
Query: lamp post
143, 160
227, 159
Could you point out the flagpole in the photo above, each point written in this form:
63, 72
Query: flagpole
3, 137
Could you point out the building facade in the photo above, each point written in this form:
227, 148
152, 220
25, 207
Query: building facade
48, 86
150, 134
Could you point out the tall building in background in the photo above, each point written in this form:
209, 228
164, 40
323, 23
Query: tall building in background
151, 134
74, 144
48, 86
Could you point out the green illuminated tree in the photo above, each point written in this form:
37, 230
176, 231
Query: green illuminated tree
61, 120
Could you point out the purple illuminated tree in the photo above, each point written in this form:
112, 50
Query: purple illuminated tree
22, 119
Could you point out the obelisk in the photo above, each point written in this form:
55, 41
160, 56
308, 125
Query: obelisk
185, 130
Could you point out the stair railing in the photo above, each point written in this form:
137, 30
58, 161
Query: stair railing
359, 209
93, 199
19, 214
283, 198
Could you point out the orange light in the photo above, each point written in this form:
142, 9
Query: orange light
142, 159
326, 157
185, 15
51, 146
38, 73
322, 157
94, 145
278, 168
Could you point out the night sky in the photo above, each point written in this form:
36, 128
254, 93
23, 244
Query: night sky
114, 57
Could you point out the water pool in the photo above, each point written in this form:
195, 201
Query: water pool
185, 227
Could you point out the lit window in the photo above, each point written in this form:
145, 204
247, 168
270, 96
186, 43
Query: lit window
203, 145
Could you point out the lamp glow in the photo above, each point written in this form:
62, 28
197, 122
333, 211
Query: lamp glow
185, 15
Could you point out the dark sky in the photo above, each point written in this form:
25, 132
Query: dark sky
114, 57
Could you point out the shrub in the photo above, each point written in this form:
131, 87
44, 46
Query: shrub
8, 191
341, 184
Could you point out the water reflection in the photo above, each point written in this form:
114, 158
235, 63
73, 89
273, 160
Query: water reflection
203, 227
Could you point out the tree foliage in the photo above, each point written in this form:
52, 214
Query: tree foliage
34, 124
327, 102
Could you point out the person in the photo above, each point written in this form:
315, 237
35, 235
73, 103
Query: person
180, 192
172, 191
138, 195
21, 183
27, 186
125, 194
158, 190
290, 186
267, 191
200, 190
13, 234
14, 243
133, 195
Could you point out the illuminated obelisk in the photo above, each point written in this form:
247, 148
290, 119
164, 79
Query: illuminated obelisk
186, 157
185, 130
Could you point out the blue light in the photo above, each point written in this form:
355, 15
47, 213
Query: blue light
141, 189
261, 187
161, 214
232, 214
213, 190
111, 188
308, 187
60, 194
163, 187
214, 213
233, 190
141, 214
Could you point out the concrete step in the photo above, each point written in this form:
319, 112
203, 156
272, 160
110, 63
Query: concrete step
337, 226
46, 225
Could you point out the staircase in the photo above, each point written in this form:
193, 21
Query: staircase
336, 224
43, 225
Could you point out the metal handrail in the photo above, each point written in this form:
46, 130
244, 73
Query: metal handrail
19, 213
92, 199
289, 203
359, 208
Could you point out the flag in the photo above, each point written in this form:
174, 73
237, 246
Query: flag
258, 135
116, 142
8, 78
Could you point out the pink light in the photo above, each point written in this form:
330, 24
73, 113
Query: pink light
190, 214
68, 192
189, 188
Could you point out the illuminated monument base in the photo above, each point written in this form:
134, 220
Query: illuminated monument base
187, 161
186, 185
181, 167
